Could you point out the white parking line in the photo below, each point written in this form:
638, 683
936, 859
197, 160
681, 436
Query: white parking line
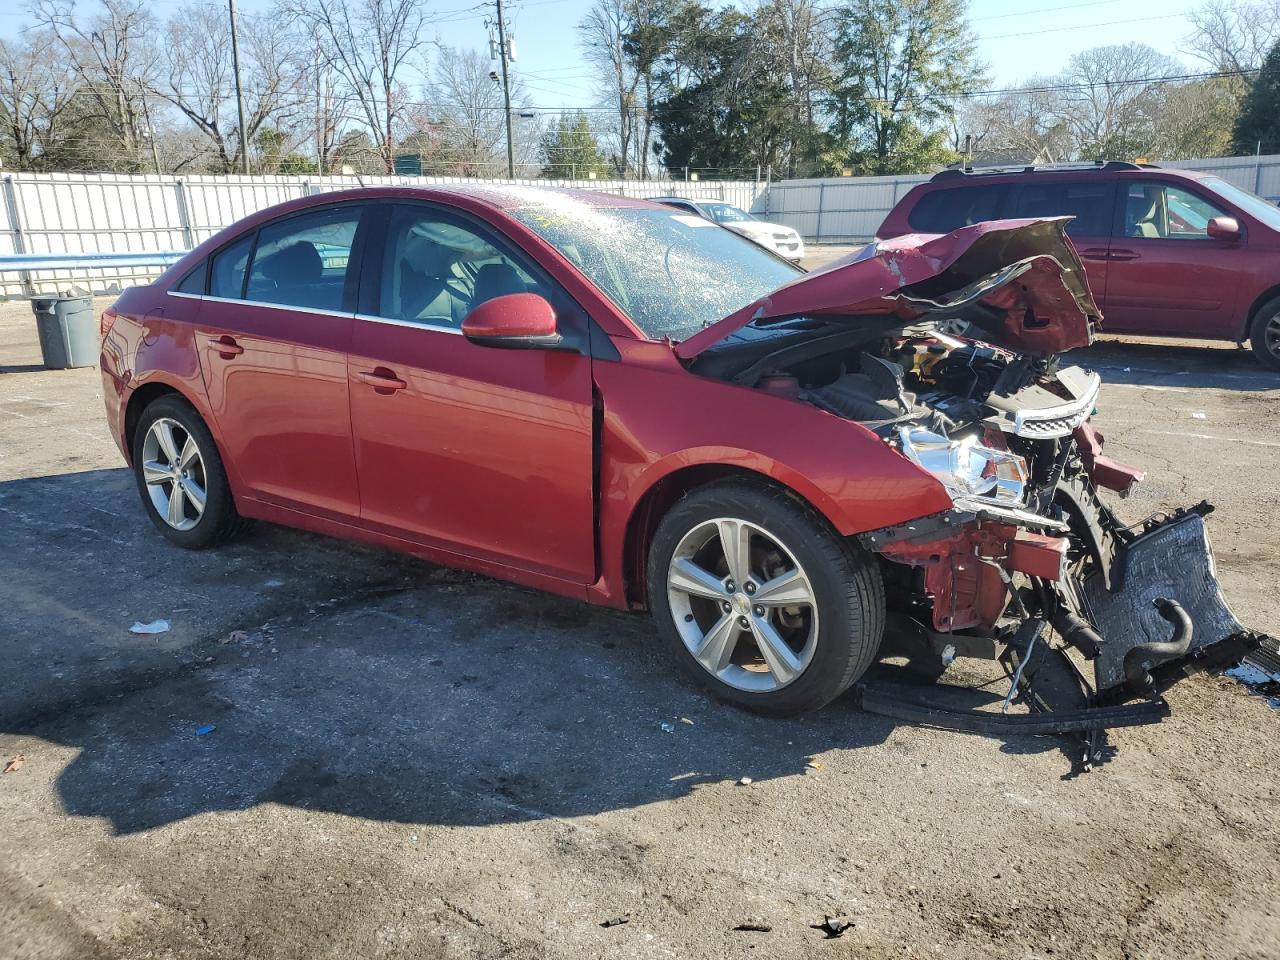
1210, 436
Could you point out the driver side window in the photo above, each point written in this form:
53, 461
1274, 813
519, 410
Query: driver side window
436, 270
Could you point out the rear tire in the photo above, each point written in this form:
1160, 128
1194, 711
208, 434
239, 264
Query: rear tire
1265, 334
781, 632
180, 477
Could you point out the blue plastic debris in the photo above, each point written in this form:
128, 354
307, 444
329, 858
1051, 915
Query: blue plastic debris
207, 728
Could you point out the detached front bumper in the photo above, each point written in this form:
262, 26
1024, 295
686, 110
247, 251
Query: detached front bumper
1147, 614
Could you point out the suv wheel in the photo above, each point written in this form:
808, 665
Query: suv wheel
180, 477
1266, 334
761, 601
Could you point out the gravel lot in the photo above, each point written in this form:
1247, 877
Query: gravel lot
414, 762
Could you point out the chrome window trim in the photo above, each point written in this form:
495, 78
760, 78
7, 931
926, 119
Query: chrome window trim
412, 324
345, 314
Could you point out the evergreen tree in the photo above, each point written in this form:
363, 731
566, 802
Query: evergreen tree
570, 149
1259, 119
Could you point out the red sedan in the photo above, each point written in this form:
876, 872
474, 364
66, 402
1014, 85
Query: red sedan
617, 402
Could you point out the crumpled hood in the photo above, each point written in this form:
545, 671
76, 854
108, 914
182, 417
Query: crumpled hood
1020, 281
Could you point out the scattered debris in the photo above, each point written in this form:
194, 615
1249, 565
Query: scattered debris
686, 720
15, 763
815, 765
668, 727
206, 729
235, 636
617, 921
745, 782
1257, 681
1199, 415
833, 927
155, 626
754, 925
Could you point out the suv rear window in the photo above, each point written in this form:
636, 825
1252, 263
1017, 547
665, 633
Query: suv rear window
941, 211
1089, 203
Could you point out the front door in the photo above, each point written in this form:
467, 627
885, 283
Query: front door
273, 332
1166, 275
478, 450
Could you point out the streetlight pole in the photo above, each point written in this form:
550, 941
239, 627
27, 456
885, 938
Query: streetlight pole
506, 88
235, 66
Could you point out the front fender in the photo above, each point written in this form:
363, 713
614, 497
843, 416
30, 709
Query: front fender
658, 419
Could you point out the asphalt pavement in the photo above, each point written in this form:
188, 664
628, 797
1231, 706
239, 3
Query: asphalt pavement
335, 751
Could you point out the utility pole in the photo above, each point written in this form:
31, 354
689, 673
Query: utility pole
151, 131
506, 88
235, 66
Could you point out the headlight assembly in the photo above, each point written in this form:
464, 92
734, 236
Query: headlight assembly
966, 468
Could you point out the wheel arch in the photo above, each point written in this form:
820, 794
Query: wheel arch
1259, 302
660, 497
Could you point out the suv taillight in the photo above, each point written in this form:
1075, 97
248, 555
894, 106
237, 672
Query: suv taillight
108, 318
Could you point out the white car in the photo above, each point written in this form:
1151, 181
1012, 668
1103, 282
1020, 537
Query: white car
783, 241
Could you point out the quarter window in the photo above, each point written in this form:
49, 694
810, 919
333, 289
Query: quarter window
302, 261
1161, 211
941, 211
436, 270
1089, 203
228, 268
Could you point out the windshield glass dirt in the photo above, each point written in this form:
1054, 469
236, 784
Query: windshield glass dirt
672, 274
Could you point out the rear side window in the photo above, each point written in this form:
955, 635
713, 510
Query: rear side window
302, 261
941, 211
226, 274
1090, 203
193, 282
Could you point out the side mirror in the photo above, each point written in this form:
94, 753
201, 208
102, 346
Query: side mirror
1223, 228
515, 321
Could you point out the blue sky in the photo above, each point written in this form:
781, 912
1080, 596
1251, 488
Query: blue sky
1018, 38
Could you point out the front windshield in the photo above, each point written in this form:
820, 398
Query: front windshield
1251, 203
725, 212
671, 273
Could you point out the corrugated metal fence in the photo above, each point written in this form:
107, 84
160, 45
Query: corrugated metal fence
109, 213
850, 209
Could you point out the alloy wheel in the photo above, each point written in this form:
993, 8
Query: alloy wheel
173, 471
1271, 336
742, 604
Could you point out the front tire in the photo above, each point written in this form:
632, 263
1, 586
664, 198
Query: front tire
761, 601
180, 477
1265, 335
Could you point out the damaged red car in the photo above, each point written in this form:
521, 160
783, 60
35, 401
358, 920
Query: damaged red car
610, 400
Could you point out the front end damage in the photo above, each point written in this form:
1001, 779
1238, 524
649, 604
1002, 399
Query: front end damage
948, 348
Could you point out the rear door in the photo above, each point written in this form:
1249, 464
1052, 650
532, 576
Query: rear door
274, 331
478, 450
1166, 275
1090, 201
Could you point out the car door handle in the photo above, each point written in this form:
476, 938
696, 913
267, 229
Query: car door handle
381, 380
1124, 255
226, 347
1094, 253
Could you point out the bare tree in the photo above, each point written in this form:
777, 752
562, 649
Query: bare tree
461, 127
369, 43
1112, 107
200, 83
112, 60
1234, 35
35, 90
602, 34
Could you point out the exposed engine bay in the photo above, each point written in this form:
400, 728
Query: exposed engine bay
1030, 566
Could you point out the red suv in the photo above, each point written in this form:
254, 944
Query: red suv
1167, 252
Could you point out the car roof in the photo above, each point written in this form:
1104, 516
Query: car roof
957, 176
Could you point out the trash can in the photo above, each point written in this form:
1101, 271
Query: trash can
68, 331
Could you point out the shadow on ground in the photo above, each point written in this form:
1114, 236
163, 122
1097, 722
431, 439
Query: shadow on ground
380, 687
